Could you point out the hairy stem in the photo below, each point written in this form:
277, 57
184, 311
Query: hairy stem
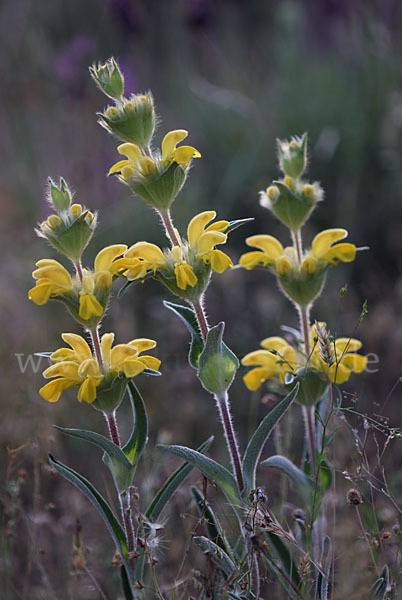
201, 318
78, 268
222, 401
169, 227
297, 244
113, 429
125, 505
96, 346
309, 424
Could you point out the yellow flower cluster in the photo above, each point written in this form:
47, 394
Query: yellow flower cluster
324, 251
138, 164
278, 358
76, 366
90, 289
180, 261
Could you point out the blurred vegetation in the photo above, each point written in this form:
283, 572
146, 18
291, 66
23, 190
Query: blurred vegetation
236, 75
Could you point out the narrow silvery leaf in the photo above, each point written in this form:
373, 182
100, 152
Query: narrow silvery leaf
219, 556
293, 472
138, 438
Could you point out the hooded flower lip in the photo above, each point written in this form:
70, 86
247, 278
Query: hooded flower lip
139, 165
76, 366
53, 281
325, 251
279, 358
181, 261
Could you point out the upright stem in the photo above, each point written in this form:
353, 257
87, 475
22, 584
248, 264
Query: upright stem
304, 318
125, 504
113, 429
201, 318
222, 401
96, 345
169, 227
78, 268
297, 244
309, 424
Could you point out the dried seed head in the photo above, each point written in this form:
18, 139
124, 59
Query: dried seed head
304, 566
324, 344
354, 497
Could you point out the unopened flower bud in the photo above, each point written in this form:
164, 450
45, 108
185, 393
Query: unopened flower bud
108, 78
131, 120
60, 195
293, 155
283, 265
309, 264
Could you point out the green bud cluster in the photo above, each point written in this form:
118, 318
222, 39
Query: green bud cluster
71, 227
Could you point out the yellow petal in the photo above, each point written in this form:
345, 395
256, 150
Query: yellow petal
57, 274
338, 373
184, 154
87, 391
67, 369
267, 243
89, 368
218, 226
250, 260
343, 345
63, 354
132, 151
185, 276
262, 358
197, 225
283, 265
219, 261
117, 167
355, 362
171, 140
208, 240
132, 367
89, 307
106, 346
142, 344
103, 279
344, 252
40, 294
255, 378
120, 353
150, 362
275, 343
52, 390
105, 257
146, 251
78, 344
324, 240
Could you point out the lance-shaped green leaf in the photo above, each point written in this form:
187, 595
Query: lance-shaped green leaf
139, 435
210, 468
103, 508
381, 585
187, 315
119, 465
217, 365
171, 484
238, 223
321, 590
125, 584
219, 556
293, 472
211, 521
258, 440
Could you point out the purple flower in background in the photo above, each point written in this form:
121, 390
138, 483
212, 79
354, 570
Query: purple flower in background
71, 64
129, 15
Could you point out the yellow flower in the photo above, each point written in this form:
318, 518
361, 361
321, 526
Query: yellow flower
323, 248
202, 240
346, 359
279, 358
181, 262
136, 163
270, 253
53, 281
76, 366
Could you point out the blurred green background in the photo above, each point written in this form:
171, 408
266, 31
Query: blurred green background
237, 75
